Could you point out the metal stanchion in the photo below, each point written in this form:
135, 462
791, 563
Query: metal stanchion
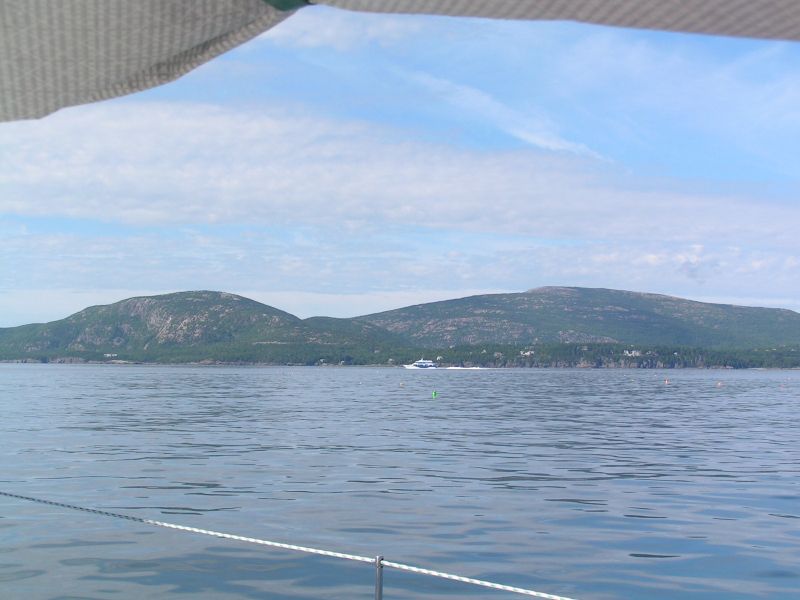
379, 578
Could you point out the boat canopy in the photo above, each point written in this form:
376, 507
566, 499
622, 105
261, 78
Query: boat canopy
61, 53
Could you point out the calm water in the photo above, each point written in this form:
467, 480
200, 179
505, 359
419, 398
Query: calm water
591, 484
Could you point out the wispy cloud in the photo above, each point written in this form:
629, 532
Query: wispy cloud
733, 100
180, 163
530, 126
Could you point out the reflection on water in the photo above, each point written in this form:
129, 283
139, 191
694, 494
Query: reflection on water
591, 484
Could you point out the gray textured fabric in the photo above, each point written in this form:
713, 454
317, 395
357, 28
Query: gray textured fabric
56, 53
777, 19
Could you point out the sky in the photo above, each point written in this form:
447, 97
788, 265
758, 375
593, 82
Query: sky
343, 163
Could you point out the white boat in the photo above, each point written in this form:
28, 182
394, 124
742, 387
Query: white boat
422, 364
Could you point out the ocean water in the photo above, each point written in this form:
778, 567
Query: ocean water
593, 484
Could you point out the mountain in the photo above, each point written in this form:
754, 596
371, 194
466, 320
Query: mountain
187, 319
199, 325
588, 315
221, 327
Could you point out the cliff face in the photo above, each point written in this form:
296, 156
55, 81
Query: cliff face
198, 322
183, 319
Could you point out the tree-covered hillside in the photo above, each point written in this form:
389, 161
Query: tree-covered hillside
541, 327
585, 315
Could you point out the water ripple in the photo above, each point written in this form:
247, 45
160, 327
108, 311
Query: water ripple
592, 484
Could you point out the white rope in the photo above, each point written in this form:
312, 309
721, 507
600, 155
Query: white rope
219, 534
488, 584
229, 536
239, 538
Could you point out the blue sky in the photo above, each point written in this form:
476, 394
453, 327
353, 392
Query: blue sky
347, 163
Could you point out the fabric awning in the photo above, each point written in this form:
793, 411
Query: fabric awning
61, 53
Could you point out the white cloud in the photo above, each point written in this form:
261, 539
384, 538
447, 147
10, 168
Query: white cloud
330, 210
183, 163
362, 272
530, 126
